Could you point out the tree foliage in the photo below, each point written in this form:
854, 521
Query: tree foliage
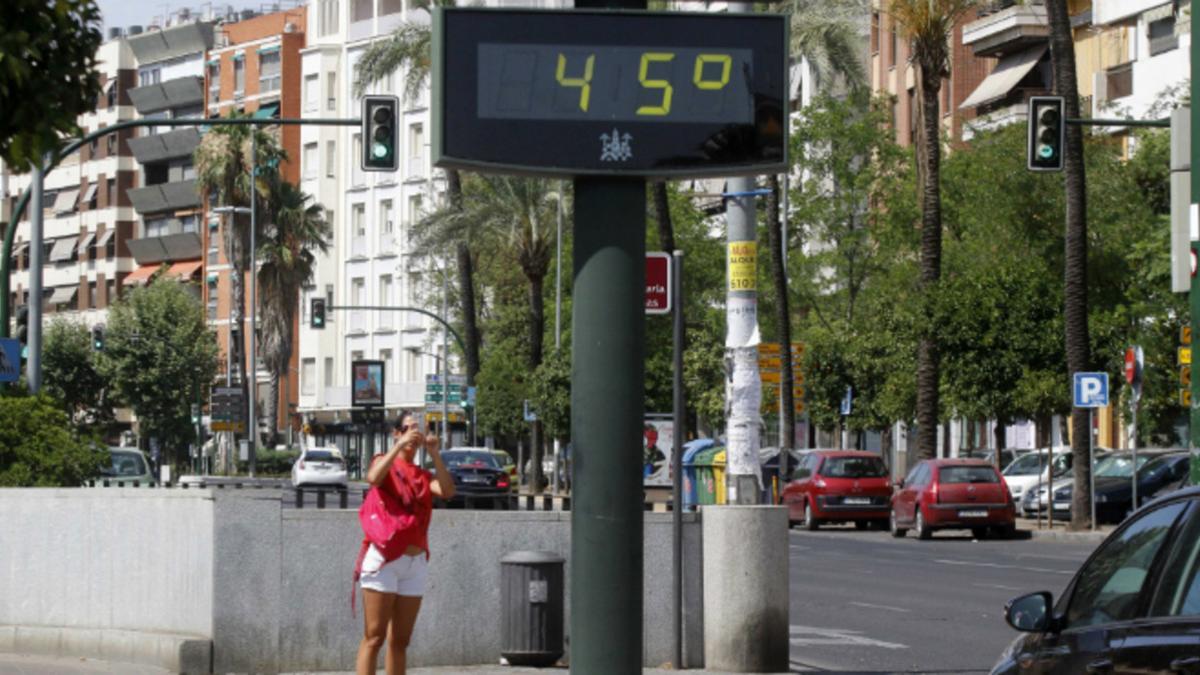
48, 75
39, 446
72, 376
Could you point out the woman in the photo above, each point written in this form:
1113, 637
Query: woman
393, 581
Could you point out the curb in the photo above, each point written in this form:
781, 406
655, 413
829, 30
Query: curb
1075, 537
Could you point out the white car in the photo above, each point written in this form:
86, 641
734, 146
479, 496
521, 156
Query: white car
319, 466
1039, 466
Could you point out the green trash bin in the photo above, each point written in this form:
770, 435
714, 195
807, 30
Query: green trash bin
531, 605
707, 488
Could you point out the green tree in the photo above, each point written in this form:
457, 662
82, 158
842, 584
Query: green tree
286, 251
39, 447
70, 374
48, 75
161, 357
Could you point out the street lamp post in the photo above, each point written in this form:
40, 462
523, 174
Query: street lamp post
251, 425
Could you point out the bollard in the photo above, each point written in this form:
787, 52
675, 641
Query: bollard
529, 505
299, 498
106, 483
566, 503
220, 486
320, 499
343, 499
547, 503
237, 486
183, 485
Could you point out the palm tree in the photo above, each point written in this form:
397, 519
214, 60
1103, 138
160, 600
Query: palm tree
222, 162
928, 25
828, 35
1062, 55
287, 264
408, 50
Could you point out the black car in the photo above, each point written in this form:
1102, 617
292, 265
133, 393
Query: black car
479, 479
1134, 606
1156, 471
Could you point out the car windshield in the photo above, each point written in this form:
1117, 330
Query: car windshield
1026, 465
470, 459
127, 464
1119, 466
968, 474
322, 456
854, 467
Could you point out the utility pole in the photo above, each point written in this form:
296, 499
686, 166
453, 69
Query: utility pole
37, 254
252, 393
445, 363
1194, 296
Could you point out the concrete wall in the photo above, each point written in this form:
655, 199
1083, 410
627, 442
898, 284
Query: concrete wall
228, 580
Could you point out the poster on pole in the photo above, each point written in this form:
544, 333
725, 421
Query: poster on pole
368, 383
658, 441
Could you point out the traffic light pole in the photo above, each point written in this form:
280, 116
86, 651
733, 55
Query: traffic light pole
1194, 295
36, 252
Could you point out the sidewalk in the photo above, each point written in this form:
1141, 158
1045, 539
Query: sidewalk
1060, 533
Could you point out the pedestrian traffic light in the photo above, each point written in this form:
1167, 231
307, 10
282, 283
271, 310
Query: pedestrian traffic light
317, 315
98, 338
379, 133
1047, 126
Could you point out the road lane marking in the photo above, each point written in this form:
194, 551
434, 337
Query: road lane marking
873, 606
807, 636
1000, 586
1002, 566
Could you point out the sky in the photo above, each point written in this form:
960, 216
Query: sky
125, 13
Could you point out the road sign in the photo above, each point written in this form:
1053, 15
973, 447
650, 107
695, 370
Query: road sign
1185, 336
1185, 356
658, 283
1185, 398
609, 93
847, 401
1091, 390
529, 415
771, 376
1130, 364
1185, 376
10, 359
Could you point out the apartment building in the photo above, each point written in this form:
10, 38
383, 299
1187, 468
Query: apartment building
1015, 37
253, 69
170, 72
89, 222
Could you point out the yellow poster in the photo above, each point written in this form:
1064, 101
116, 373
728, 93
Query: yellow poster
743, 270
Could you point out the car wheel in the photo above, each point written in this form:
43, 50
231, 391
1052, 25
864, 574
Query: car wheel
810, 520
921, 529
1006, 531
860, 524
979, 532
897, 531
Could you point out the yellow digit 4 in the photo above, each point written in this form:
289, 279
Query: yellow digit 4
584, 83
698, 74
664, 106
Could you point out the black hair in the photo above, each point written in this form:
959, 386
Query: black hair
399, 423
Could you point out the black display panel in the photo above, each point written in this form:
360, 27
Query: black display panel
613, 93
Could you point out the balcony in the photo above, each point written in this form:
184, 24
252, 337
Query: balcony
387, 245
169, 145
165, 197
182, 92
153, 250
358, 321
358, 247
1006, 27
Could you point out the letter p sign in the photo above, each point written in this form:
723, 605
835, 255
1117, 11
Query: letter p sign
1091, 390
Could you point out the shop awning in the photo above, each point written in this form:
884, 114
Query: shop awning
141, 275
266, 111
63, 294
63, 249
84, 242
65, 201
268, 49
1008, 73
185, 270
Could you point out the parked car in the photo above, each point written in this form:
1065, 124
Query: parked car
1007, 455
1156, 469
509, 465
1133, 607
479, 479
127, 465
319, 466
940, 494
1036, 500
832, 486
1040, 466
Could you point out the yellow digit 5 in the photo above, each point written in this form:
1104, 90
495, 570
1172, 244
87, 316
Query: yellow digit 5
664, 106
584, 83
698, 75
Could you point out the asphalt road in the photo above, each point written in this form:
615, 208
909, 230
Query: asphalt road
864, 602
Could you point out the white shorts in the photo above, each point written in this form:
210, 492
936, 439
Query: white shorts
405, 575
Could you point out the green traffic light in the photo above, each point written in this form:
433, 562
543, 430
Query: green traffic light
1045, 151
380, 150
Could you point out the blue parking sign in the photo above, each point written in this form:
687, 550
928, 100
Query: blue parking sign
1091, 390
10, 360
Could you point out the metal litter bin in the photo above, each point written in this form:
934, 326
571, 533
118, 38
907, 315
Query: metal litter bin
531, 601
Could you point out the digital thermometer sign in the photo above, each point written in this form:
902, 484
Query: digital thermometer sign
617, 93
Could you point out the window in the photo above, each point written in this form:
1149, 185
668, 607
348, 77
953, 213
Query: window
328, 20
110, 145
385, 355
390, 7
328, 371
362, 10
329, 316
1162, 36
268, 70
159, 227
804, 469
356, 355
331, 91
955, 475
308, 377
308, 167
356, 174
110, 291
1119, 81
416, 141
1108, 588
386, 224
414, 208
312, 92
412, 365
239, 75
874, 32
854, 467
1179, 591
357, 287
358, 219
148, 76
110, 189
111, 94
330, 161
190, 223
385, 291
214, 82
91, 295
894, 47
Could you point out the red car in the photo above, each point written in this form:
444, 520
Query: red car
831, 486
945, 494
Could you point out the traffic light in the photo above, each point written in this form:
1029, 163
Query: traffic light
98, 338
379, 133
1047, 126
317, 316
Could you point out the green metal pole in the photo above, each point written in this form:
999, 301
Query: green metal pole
607, 408
1194, 296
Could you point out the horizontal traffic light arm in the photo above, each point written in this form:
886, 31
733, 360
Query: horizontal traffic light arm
1090, 122
6, 249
